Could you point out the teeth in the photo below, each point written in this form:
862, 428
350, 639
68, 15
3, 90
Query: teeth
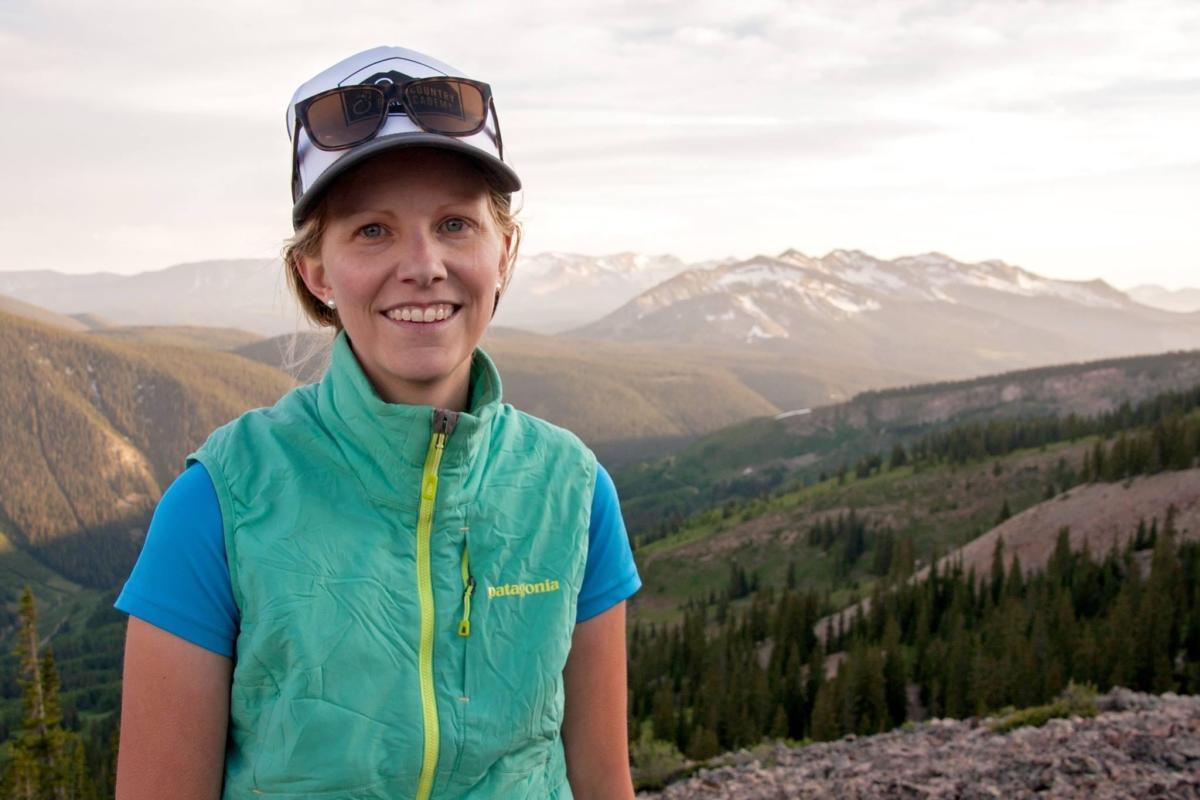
421, 313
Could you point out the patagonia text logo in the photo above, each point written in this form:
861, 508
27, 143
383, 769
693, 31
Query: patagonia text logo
522, 589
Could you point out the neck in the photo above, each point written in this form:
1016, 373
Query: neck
452, 392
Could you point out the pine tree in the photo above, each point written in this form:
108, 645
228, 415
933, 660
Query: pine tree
57, 775
663, 716
895, 673
43, 763
997, 584
826, 721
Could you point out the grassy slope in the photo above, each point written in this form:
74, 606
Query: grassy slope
940, 508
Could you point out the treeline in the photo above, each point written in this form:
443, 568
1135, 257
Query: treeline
953, 645
1138, 368
47, 760
1166, 413
1171, 443
1162, 433
849, 536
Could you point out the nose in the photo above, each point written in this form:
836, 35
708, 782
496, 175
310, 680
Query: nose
419, 258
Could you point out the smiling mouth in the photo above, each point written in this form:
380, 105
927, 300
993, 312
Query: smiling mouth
423, 314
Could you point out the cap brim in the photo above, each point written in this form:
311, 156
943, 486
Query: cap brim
499, 174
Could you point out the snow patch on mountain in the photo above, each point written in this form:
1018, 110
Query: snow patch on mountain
759, 272
756, 332
861, 269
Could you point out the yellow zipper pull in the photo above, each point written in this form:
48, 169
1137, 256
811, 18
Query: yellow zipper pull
464, 625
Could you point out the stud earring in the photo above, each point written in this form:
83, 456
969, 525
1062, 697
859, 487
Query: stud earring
331, 303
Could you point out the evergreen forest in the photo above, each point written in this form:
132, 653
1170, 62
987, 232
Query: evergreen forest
766, 656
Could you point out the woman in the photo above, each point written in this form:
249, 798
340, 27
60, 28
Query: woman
390, 584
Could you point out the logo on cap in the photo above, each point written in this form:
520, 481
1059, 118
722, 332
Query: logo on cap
441, 99
384, 80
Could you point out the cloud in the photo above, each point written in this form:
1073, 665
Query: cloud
774, 116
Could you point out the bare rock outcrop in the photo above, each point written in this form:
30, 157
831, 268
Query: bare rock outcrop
1139, 745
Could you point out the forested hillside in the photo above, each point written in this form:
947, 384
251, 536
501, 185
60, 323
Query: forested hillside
94, 429
91, 430
746, 589
953, 645
762, 455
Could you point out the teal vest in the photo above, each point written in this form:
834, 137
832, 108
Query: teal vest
407, 581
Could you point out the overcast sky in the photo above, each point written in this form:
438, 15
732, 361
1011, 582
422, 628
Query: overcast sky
1063, 137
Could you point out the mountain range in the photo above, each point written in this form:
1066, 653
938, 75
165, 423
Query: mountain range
1170, 299
927, 314
650, 336
556, 291
553, 291
549, 292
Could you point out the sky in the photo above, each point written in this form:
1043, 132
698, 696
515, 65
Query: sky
1063, 137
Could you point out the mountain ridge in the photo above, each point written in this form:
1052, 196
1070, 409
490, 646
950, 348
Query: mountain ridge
95, 428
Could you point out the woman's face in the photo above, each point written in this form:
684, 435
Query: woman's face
413, 258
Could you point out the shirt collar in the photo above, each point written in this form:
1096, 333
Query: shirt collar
383, 440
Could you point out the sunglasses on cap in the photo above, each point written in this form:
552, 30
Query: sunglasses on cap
347, 116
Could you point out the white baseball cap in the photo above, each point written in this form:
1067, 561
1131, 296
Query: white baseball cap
315, 169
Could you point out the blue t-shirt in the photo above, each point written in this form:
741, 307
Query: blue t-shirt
181, 583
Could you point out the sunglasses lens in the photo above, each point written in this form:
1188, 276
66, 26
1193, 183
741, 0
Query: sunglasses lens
446, 105
345, 117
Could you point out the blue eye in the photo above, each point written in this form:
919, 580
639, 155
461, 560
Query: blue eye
371, 230
455, 225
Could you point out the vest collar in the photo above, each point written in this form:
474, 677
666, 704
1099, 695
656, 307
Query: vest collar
384, 441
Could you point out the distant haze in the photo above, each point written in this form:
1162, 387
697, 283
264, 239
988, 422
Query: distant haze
550, 293
1172, 300
1057, 136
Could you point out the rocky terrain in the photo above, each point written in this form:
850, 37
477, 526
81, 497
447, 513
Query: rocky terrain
1139, 745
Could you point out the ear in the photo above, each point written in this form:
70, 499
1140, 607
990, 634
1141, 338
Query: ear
506, 260
313, 273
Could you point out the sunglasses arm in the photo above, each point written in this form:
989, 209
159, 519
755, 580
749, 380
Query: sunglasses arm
496, 138
296, 188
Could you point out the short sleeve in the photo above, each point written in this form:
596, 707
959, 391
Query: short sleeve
610, 575
180, 582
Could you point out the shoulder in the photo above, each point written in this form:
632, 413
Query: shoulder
539, 426
297, 408
605, 496
537, 436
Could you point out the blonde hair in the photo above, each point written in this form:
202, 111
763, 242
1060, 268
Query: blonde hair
306, 243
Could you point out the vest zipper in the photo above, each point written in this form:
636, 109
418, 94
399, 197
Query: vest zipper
443, 424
